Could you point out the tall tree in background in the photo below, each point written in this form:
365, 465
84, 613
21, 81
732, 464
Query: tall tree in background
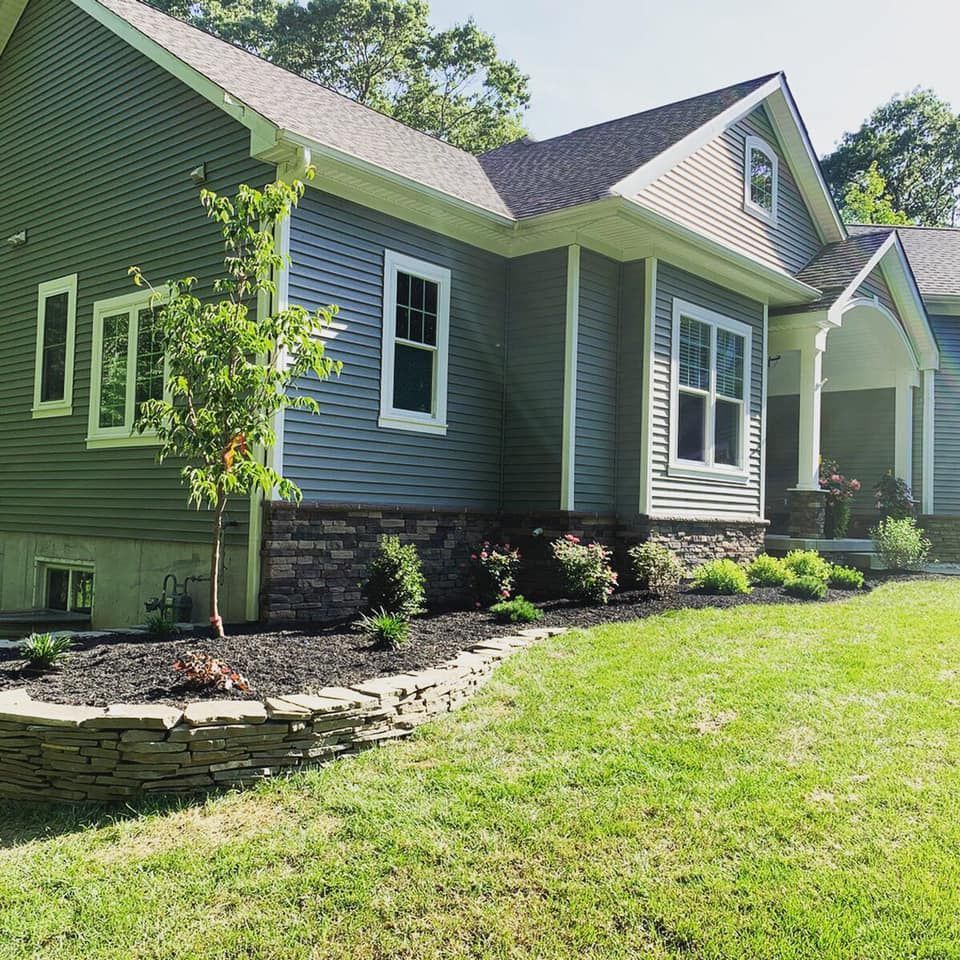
867, 201
385, 54
914, 142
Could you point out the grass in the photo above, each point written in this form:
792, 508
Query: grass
764, 782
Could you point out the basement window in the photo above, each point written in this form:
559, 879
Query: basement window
68, 588
416, 320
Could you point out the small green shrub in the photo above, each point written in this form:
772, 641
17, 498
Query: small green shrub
806, 588
900, 543
395, 581
585, 569
893, 497
656, 568
44, 650
846, 578
517, 610
387, 629
493, 569
721, 576
767, 571
807, 563
160, 625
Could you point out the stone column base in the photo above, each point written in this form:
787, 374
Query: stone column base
808, 513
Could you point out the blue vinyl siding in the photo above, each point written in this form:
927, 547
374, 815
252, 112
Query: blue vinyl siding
946, 443
532, 437
597, 352
707, 497
343, 456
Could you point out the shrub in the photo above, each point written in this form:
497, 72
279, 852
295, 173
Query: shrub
767, 571
387, 629
900, 543
517, 610
807, 563
494, 572
893, 497
846, 578
160, 625
656, 567
585, 569
840, 490
44, 650
203, 670
721, 576
395, 581
806, 588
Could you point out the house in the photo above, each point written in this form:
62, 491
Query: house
651, 327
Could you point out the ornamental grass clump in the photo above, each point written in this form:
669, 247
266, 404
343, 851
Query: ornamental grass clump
767, 571
395, 580
43, 651
584, 569
900, 543
845, 578
722, 577
807, 563
806, 588
517, 610
656, 568
386, 629
493, 569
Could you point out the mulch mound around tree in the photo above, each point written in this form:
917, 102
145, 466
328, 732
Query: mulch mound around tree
132, 668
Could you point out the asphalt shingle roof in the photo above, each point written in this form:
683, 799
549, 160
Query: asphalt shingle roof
314, 111
539, 176
934, 255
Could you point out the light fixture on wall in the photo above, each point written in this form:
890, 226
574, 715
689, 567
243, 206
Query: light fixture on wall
199, 174
773, 361
18, 239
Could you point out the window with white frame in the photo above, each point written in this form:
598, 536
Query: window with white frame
711, 391
761, 176
67, 586
56, 326
416, 321
128, 368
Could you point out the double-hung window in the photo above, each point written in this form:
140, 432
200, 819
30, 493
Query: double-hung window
128, 368
711, 392
760, 180
56, 326
416, 329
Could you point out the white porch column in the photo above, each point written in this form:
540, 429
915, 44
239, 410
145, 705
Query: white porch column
811, 343
903, 426
927, 504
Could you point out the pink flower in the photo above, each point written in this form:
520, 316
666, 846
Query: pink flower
854, 485
473, 556
835, 478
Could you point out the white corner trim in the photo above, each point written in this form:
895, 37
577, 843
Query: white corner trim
571, 327
928, 494
646, 406
10, 13
64, 406
751, 144
709, 469
643, 176
281, 300
764, 380
392, 417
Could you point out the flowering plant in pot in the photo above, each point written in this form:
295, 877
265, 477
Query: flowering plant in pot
840, 490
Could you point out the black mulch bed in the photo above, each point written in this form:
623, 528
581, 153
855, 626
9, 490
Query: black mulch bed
137, 669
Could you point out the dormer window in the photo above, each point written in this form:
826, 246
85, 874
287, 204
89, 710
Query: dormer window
760, 180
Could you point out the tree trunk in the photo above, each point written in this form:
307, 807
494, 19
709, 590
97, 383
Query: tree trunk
215, 622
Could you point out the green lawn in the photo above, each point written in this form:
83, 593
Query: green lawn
768, 782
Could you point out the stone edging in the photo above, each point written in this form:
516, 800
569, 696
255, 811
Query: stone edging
51, 751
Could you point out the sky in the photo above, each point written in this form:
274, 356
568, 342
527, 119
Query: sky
595, 60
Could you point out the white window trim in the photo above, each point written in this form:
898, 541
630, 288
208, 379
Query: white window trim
391, 417
51, 288
709, 469
42, 564
768, 216
126, 436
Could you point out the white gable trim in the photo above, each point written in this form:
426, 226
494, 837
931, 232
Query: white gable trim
794, 141
898, 274
838, 305
10, 13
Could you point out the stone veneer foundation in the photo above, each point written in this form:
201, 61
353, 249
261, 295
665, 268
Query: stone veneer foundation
55, 752
944, 535
315, 556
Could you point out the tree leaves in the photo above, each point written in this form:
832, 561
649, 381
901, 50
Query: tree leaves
385, 54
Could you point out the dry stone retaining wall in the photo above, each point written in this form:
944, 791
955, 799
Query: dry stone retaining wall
56, 752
